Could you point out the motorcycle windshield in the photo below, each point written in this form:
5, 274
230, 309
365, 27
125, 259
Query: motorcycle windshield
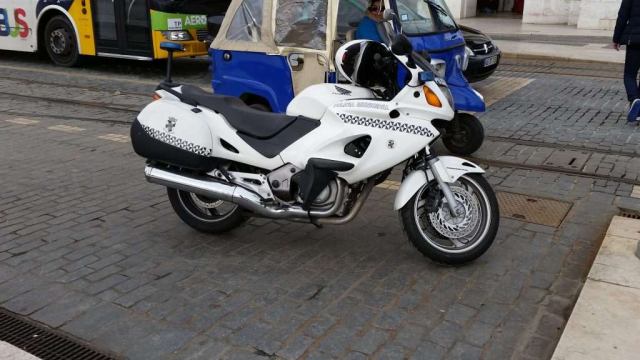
423, 17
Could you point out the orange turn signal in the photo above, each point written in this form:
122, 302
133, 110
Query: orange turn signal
156, 97
432, 98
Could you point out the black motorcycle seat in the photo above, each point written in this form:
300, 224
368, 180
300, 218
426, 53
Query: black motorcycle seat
246, 120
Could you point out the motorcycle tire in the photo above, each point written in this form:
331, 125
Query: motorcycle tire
204, 214
468, 139
424, 221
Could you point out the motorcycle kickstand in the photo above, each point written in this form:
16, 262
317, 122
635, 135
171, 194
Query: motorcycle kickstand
315, 223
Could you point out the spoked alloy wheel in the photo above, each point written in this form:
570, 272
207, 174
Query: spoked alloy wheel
204, 214
448, 239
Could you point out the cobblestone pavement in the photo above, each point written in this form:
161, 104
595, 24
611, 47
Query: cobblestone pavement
90, 248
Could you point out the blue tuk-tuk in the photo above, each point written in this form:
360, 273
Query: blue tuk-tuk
268, 51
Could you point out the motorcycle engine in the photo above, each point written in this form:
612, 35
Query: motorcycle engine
326, 199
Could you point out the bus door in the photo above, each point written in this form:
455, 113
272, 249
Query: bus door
123, 28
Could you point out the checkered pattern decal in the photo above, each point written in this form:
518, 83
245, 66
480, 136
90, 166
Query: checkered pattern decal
174, 141
386, 125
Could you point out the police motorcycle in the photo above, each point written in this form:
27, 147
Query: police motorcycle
266, 52
222, 160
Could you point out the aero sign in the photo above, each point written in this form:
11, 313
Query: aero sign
19, 27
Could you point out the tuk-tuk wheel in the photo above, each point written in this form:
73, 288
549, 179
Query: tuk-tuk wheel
464, 137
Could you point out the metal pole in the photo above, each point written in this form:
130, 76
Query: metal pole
169, 61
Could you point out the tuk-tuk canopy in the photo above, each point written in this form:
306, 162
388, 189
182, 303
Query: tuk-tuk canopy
273, 26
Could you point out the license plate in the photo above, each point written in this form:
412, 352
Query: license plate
490, 61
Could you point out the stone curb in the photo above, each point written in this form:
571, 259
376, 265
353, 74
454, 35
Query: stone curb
518, 56
10, 352
606, 318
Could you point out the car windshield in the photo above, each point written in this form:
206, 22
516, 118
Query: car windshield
425, 16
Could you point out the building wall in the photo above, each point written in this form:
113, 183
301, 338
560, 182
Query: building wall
546, 11
574, 12
462, 8
598, 14
585, 14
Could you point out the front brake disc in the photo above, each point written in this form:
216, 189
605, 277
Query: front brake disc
457, 227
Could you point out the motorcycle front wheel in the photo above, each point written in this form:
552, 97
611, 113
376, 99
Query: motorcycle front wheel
204, 214
452, 240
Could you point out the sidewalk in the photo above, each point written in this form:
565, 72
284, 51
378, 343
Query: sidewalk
559, 42
10, 352
604, 323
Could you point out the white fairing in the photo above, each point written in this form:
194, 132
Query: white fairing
392, 139
450, 170
314, 101
398, 129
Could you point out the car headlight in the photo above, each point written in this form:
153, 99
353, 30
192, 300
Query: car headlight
180, 35
468, 51
447, 94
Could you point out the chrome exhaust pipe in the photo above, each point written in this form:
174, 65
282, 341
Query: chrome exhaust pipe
247, 199
196, 184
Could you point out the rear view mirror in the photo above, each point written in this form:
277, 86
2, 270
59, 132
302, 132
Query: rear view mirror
401, 45
388, 15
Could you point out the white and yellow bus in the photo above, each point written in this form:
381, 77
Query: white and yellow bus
131, 29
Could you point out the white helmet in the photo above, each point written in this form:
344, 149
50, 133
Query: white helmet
355, 61
349, 57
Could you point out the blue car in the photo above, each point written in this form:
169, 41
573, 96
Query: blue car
267, 51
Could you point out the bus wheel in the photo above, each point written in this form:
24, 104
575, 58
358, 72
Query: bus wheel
60, 42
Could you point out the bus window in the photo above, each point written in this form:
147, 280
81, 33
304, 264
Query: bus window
106, 20
137, 21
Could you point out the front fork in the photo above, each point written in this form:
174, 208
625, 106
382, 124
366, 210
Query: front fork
435, 166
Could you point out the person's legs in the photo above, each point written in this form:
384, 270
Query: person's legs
631, 67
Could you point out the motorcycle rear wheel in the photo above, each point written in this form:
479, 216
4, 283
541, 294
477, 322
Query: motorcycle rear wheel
203, 214
447, 240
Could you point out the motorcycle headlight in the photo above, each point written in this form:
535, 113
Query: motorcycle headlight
180, 35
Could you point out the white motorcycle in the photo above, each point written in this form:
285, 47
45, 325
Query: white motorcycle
222, 160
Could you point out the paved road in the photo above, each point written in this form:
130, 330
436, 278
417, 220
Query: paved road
90, 248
